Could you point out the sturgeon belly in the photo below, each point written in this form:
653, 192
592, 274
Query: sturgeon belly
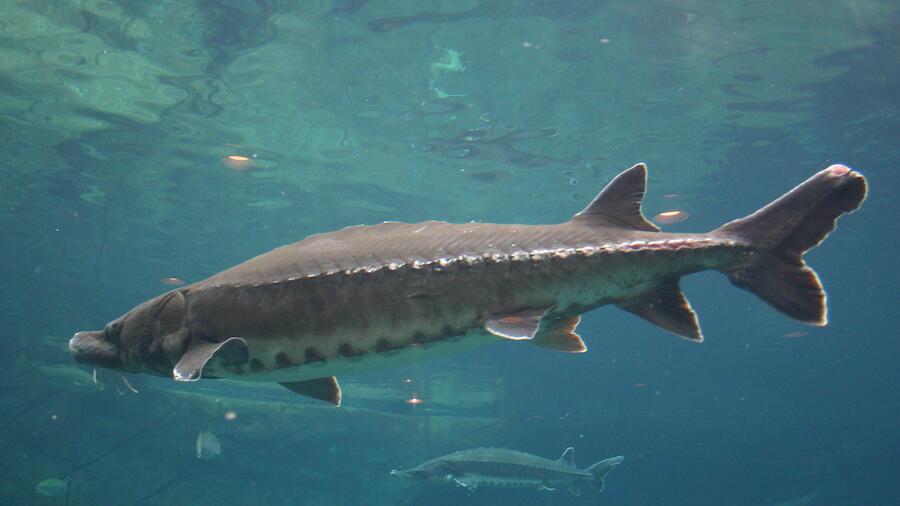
498, 474
338, 365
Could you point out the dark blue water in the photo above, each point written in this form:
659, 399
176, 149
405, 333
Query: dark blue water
117, 119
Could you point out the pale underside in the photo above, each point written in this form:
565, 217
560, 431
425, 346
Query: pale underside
336, 366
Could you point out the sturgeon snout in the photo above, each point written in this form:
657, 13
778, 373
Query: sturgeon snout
91, 347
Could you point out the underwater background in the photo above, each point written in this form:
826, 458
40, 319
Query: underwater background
149, 143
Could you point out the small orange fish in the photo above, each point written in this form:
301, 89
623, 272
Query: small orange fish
172, 281
669, 217
238, 162
796, 334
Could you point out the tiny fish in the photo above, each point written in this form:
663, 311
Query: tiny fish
208, 446
51, 487
498, 467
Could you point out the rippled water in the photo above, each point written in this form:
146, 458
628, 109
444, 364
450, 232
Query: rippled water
151, 142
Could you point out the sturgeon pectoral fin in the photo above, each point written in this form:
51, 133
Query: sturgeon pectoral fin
559, 335
324, 389
190, 367
462, 482
667, 307
516, 326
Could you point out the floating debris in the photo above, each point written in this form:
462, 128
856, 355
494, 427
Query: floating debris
450, 61
208, 446
51, 487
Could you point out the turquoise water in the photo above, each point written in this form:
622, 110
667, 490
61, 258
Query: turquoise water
118, 118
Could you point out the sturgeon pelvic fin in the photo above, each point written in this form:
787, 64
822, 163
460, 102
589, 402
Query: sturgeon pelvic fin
619, 204
519, 326
324, 389
667, 307
199, 352
786, 229
531, 325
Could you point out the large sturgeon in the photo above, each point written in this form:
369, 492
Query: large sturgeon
499, 467
377, 296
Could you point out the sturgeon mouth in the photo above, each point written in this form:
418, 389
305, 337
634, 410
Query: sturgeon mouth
92, 348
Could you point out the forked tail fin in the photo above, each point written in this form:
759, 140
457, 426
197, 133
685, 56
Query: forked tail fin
601, 469
783, 231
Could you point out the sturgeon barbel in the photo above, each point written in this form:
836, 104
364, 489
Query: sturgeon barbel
499, 467
377, 296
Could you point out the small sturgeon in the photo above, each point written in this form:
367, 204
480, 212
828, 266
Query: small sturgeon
498, 467
376, 296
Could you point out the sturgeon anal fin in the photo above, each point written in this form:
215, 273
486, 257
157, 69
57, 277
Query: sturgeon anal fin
324, 389
573, 488
516, 326
568, 457
560, 335
667, 307
619, 204
190, 367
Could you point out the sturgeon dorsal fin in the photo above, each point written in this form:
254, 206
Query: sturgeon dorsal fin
190, 366
324, 389
568, 457
667, 307
619, 204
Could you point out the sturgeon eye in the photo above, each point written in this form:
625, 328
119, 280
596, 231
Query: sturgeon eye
112, 331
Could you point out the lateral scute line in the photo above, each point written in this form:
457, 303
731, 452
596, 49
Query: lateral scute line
532, 255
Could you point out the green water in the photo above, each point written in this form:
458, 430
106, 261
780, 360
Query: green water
118, 118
